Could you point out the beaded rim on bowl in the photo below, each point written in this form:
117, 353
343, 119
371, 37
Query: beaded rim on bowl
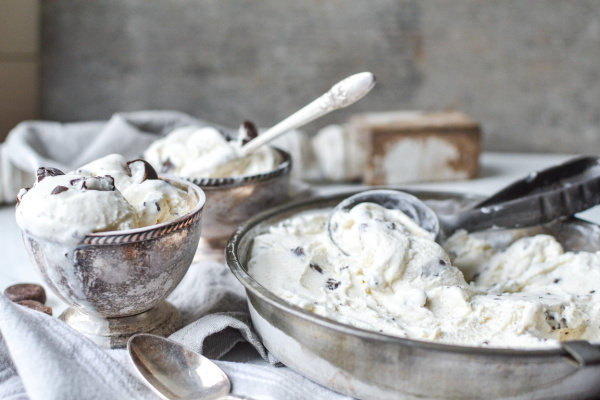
152, 231
283, 168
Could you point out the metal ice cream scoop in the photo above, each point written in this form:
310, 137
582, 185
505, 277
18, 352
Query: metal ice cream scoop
175, 372
543, 196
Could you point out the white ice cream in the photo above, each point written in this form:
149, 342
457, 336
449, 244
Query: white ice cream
205, 153
397, 280
101, 196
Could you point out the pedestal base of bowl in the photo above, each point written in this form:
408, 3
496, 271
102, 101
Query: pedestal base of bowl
211, 250
113, 333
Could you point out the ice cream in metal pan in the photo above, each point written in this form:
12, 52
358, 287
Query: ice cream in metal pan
398, 318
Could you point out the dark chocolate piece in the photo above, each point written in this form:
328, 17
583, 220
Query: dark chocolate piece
332, 284
59, 189
21, 193
316, 267
102, 183
36, 305
167, 166
299, 251
43, 172
26, 291
140, 170
250, 131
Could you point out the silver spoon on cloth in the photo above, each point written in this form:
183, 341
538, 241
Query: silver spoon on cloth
342, 94
543, 196
175, 372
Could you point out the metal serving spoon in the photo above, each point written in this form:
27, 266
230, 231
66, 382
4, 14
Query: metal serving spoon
342, 94
554, 193
175, 372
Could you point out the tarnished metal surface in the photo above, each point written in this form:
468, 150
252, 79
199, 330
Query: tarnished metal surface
371, 365
231, 201
121, 273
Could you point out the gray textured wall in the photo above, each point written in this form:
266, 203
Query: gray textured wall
527, 71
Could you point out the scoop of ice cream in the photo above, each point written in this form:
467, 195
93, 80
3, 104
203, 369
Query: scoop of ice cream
205, 153
67, 207
153, 200
102, 196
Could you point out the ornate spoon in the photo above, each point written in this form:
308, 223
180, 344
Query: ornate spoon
175, 372
342, 94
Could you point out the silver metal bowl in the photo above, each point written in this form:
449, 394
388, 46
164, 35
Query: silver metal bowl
115, 282
231, 201
372, 365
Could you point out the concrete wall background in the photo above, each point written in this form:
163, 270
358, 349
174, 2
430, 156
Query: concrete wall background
529, 72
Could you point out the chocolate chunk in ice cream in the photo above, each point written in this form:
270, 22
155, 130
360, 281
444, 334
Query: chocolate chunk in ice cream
44, 172
141, 170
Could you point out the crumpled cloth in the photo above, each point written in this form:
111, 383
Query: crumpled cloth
43, 358
68, 146
33, 144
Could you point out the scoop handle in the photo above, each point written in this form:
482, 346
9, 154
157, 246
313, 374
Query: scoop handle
341, 95
543, 196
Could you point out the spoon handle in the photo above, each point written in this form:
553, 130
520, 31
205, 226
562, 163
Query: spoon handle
341, 95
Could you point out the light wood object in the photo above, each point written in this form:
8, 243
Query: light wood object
403, 147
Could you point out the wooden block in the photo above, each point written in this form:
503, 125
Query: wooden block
403, 147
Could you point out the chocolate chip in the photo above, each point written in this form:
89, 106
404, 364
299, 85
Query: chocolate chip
556, 280
299, 251
167, 166
21, 193
316, 267
44, 172
140, 170
250, 131
59, 189
332, 284
36, 305
102, 183
26, 291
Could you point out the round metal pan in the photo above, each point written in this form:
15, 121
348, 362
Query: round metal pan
372, 365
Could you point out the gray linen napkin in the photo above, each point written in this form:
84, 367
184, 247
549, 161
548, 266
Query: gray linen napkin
32, 144
43, 358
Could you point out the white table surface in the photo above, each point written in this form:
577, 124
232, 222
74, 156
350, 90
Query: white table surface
497, 170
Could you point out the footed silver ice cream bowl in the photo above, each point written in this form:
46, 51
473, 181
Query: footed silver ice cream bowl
115, 282
372, 365
231, 201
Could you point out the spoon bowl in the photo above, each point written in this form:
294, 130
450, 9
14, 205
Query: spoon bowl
175, 372
553, 193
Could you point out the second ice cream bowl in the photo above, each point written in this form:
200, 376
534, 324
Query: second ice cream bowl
115, 282
231, 201
371, 365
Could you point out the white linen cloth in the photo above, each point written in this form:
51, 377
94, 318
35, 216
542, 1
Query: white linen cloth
43, 358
